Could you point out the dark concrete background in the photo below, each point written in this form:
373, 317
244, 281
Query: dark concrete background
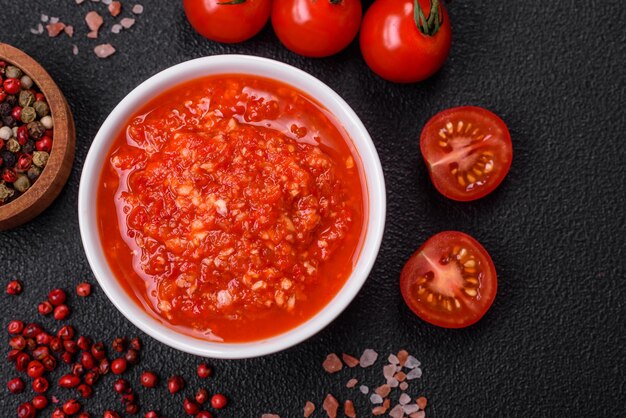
553, 342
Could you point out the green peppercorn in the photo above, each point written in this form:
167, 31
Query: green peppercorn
40, 158
13, 146
5, 192
22, 183
12, 72
42, 109
36, 130
33, 173
26, 98
28, 114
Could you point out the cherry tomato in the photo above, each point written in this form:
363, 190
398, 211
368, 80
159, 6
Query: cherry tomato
468, 152
450, 281
402, 46
316, 28
227, 21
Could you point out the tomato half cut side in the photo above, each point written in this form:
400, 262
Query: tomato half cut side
450, 281
468, 152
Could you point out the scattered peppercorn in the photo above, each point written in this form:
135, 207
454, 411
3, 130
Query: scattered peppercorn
61, 312
149, 379
204, 414
15, 385
57, 297
219, 401
83, 289
118, 366
14, 287
204, 371
40, 385
15, 327
40, 402
190, 407
132, 356
119, 344
71, 407
175, 384
26, 410
121, 386
135, 344
45, 308
202, 395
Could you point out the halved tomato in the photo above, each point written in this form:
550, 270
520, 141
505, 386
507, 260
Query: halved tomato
468, 151
450, 281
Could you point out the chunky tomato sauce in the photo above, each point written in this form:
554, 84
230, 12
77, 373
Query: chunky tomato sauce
232, 207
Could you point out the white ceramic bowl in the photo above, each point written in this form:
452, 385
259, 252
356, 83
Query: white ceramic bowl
231, 64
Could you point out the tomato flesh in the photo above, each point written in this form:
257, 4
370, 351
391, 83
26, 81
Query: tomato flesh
450, 281
468, 152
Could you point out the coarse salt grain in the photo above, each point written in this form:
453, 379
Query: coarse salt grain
270, 416
389, 370
351, 383
127, 22
54, 29
400, 376
383, 390
364, 389
402, 356
393, 359
104, 50
397, 412
332, 364
330, 406
107, 2
348, 409
393, 382
410, 409
411, 362
368, 358
79, 1
421, 402
74, 49
349, 360
115, 8
69, 30
137, 9
375, 398
54, 20
309, 408
403, 386
45, 18
404, 399
416, 373
117, 28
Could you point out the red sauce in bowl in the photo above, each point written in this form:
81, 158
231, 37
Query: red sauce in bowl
232, 207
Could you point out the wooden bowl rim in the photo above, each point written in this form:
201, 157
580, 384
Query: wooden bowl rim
54, 176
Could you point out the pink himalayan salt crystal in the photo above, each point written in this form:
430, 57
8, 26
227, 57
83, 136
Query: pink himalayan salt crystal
117, 28
421, 402
397, 412
404, 399
69, 30
348, 409
416, 373
351, 383
403, 386
368, 358
349, 360
380, 410
115, 8
400, 376
74, 49
309, 408
375, 398
94, 21
79, 1
402, 356
270, 416
389, 370
411, 362
393, 359
137, 9
364, 389
54, 20
383, 390
420, 414
54, 29
410, 409
332, 364
330, 406
127, 22
393, 382
104, 50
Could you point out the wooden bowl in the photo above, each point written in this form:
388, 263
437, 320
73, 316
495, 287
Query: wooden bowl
55, 174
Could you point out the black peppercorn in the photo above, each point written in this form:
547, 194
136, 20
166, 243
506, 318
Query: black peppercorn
8, 158
11, 100
5, 109
28, 147
33, 173
8, 121
36, 130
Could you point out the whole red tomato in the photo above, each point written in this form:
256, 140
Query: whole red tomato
227, 21
316, 28
405, 44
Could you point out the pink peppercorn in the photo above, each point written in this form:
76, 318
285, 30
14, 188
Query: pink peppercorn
14, 287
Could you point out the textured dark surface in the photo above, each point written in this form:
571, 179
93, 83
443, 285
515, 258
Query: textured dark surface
553, 344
